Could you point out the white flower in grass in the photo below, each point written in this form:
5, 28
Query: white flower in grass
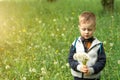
112, 16
41, 78
39, 21
71, 18
62, 67
43, 24
81, 57
66, 19
53, 35
118, 61
7, 67
104, 42
32, 70
111, 44
49, 46
54, 20
55, 62
64, 29
43, 71
24, 78
58, 29
67, 64
62, 34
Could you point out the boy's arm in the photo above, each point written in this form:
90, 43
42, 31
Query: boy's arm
73, 63
100, 64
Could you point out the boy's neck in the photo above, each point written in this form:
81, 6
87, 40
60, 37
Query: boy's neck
90, 39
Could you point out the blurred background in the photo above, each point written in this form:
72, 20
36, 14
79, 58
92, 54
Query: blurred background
35, 37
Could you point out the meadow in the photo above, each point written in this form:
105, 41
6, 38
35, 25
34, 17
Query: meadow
35, 37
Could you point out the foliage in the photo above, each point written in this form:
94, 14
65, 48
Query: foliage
35, 37
108, 5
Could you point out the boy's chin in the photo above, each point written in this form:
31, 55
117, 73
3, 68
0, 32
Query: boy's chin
86, 37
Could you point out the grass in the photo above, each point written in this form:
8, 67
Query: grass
35, 37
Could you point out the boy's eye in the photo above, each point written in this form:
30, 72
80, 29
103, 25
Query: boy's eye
86, 29
89, 29
83, 29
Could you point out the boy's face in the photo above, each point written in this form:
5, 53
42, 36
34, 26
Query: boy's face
86, 30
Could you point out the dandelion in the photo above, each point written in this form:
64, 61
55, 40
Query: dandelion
62, 34
73, 13
55, 62
64, 29
19, 41
52, 34
56, 51
66, 19
1, 49
43, 62
58, 29
37, 46
39, 21
71, 18
104, 42
118, 61
41, 78
111, 44
43, 71
19, 31
57, 74
36, 19
62, 67
7, 67
54, 20
24, 78
32, 70
43, 24
24, 30
81, 57
112, 16
49, 46
67, 64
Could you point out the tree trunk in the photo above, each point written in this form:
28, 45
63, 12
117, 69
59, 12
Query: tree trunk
51, 0
108, 5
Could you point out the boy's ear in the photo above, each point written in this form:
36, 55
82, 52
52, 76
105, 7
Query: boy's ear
94, 28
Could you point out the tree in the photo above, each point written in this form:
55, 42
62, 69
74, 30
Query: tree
108, 5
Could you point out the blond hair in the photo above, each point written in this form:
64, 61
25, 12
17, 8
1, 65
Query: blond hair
87, 17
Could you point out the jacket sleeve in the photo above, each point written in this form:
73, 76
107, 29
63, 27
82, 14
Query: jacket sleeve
101, 61
73, 63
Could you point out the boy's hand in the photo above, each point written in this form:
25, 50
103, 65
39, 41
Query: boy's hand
84, 69
87, 73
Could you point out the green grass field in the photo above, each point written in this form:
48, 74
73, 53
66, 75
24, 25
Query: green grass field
35, 37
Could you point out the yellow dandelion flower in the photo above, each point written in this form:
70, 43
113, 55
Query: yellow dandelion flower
24, 30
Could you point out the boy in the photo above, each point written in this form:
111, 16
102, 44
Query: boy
91, 46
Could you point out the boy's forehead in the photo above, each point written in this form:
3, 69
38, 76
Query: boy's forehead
88, 25
84, 21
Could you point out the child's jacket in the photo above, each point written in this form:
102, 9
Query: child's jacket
96, 62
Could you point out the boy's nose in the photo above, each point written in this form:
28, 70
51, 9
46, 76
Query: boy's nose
86, 31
